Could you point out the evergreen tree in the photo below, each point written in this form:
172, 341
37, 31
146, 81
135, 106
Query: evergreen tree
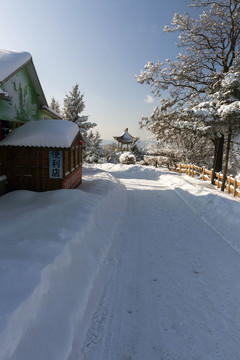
97, 144
55, 105
137, 152
73, 107
93, 149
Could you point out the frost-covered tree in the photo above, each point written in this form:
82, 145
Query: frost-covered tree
55, 105
178, 137
222, 111
93, 149
209, 48
73, 107
136, 151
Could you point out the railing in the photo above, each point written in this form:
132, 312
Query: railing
232, 185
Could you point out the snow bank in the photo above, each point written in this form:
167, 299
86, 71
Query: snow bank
219, 210
123, 171
52, 247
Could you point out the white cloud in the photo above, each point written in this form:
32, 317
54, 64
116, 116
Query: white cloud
149, 99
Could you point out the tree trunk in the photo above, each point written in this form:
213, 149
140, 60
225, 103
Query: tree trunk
218, 155
226, 158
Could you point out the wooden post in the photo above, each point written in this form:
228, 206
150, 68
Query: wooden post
229, 184
226, 158
218, 179
203, 171
234, 187
211, 177
180, 168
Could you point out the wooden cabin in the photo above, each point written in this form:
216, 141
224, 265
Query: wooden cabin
125, 139
42, 155
21, 99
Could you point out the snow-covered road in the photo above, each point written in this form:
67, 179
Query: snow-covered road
173, 291
136, 264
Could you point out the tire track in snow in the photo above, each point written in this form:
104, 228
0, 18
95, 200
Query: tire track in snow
129, 296
168, 294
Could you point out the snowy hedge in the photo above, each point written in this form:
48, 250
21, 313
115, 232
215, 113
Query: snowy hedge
127, 158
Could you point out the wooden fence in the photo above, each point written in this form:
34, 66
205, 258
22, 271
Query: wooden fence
232, 185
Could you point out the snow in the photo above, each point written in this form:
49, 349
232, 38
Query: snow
43, 133
52, 111
10, 61
230, 78
225, 109
4, 93
127, 157
136, 263
127, 137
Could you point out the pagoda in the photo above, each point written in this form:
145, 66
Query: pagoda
125, 139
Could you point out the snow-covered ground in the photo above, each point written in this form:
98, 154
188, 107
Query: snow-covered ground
137, 263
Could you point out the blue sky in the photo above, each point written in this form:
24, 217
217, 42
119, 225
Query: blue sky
99, 44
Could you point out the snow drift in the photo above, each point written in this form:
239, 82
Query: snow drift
52, 245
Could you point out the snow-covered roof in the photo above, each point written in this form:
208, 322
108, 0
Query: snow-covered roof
11, 61
43, 133
52, 112
126, 138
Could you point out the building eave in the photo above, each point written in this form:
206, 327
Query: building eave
36, 83
51, 112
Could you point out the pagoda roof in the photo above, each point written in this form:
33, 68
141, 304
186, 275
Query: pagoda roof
126, 138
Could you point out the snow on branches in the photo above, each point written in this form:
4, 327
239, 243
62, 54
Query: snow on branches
198, 102
210, 45
73, 107
223, 108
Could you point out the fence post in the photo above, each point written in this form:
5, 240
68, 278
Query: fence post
211, 177
180, 168
234, 187
218, 179
203, 171
229, 184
